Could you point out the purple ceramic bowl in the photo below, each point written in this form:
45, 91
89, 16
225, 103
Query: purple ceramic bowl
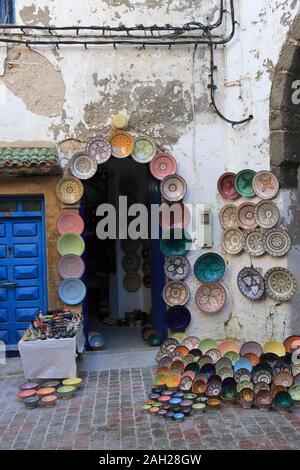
178, 318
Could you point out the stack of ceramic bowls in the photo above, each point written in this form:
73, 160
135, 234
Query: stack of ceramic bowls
46, 393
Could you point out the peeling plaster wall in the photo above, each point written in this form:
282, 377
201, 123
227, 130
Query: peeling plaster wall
165, 94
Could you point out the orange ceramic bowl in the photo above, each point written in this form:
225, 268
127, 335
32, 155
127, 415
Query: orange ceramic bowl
253, 358
182, 350
26, 394
44, 392
228, 346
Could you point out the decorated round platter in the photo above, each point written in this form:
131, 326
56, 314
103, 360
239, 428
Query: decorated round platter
99, 148
262, 376
132, 282
277, 242
69, 190
265, 184
243, 183
210, 297
294, 391
283, 378
228, 216
207, 344
176, 293
232, 241
173, 188
70, 267
209, 267
177, 268
266, 214
215, 354
72, 291
178, 318
83, 166
281, 284
70, 244
131, 262
128, 185
228, 345
122, 144
243, 363
144, 149
253, 243
173, 246
226, 186
70, 221
163, 165
275, 347
146, 267
147, 281
251, 347
245, 216
292, 344
251, 283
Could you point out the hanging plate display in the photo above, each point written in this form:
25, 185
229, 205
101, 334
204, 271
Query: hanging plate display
277, 242
226, 186
144, 149
130, 246
177, 268
99, 148
178, 318
191, 342
132, 282
146, 267
265, 185
173, 188
228, 216
243, 183
251, 283
83, 166
210, 297
69, 190
174, 215
176, 246
245, 216
147, 281
209, 267
70, 267
122, 144
176, 293
275, 347
251, 347
266, 214
131, 262
72, 291
163, 165
253, 243
70, 221
280, 284
232, 241
70, 244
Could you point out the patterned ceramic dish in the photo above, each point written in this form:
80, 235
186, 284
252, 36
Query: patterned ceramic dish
265, 185
242, 384
70, 267
144, 149
99, 148
243, 363
277, 242
263, 399
275, 347
70, 221
132, 282
163, 165
294, 391
213, 389
262, 376
225, 372
49, 401
122, 144
243, 183
173, 188
228, 216
251, 283
176, 293
210, 297
232, 241
281, 284
66, 392
209, 267
72, 291
69, 190
266, 214
70, 244
292, 343
226, 186
246, 398
253, 243
233, 356
131, 262
207, 344
245, 216
173, 246
215, 354
253, 358
83, 166
251, 347
283, 378
242, 374
178, 318
191, 342
228, 345
177, 268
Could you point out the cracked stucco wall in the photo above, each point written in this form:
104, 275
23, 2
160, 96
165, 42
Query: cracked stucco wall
69, 94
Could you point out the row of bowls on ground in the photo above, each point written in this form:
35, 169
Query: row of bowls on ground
47, 393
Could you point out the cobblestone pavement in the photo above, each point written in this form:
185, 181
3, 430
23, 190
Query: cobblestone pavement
106, 414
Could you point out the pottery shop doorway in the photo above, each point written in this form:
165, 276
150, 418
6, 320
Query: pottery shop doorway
121, 295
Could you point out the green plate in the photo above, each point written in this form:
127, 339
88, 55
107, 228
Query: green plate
70, 244
209, 267
178, 243
243, 183
207, 344
232, 356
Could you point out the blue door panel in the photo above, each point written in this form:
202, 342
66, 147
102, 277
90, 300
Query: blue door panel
19, 334
3, 295
4, 336
2, 251
25, 251
3, 273
26, 293
2, 230
25, 230
3, 314
26, 272
26, 314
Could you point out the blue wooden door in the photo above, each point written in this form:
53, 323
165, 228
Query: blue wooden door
22, 273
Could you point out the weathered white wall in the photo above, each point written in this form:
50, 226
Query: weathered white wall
71, 93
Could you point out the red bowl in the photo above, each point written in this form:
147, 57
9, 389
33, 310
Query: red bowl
226, 186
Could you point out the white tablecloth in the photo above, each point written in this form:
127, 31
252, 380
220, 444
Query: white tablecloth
51, 358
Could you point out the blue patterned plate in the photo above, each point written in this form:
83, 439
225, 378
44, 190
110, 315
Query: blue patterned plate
209, 267
251, 283
72, 291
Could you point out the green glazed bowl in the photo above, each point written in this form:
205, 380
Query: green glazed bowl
243, 183
70, 244
177, 244
283, 400
209, 267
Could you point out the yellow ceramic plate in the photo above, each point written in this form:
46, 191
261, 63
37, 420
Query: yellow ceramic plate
275, 347
69, 190
75, 382
122, 144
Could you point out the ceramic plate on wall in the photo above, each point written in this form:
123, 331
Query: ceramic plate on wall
266, 214
232, 241
173, 188
245, 216
163, 165
176, 293
131, 262
175, 215
72, 291
251, 283
228, 216
70, 267
70, 244
70, 221
209, 267
178, 318
83, 166
176, 246
69, 190
211, 297
99, 148
132, 282
281, 284
122, 144
144, 149
226, 186
253, 243
243, 183
177, 268
277, 242
265, 185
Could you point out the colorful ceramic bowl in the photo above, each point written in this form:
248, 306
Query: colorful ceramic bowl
265, 184
70, 221
173, 188
283, 400
178, 318
228, 345
28, 386
209, 267
31, 402
49, 401
243, 363
122, 144
176, 243
51, 384
73, 382
69, 190
210, 297
45, 392
243, 183
70, 244
207, 344
226, 186
163, 165
66, 392
71, 267
198, 407
251, 347
233, 356
83, 166
72, 291
275, 347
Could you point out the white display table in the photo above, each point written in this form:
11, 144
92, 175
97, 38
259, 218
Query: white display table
51, 358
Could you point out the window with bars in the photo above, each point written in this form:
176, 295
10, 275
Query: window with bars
6, 11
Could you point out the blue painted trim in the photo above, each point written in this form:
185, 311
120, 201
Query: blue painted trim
44, 250
8, 9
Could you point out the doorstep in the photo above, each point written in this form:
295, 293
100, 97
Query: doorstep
93, 361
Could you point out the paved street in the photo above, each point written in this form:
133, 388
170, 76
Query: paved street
106, 414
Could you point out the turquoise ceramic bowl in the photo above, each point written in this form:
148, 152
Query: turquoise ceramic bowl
209, 267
